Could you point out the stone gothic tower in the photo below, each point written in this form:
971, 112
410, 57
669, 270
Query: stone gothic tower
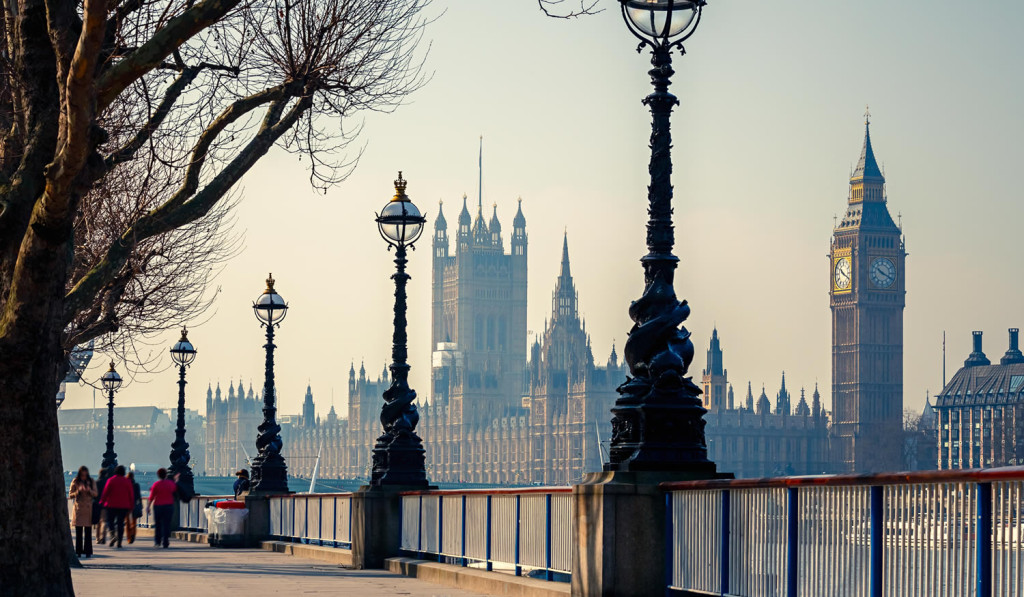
867, 294
715, 378
478, 331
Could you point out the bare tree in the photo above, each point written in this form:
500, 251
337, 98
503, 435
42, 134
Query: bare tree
125, 125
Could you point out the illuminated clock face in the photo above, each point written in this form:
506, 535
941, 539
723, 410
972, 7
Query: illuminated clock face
883, 272
842, 273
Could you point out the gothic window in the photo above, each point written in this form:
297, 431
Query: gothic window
479, 332
491, 334
502, 333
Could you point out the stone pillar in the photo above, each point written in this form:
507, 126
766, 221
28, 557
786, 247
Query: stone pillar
376, 525
257, 525
619, 529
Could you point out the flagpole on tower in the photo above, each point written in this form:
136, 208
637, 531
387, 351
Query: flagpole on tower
480, 191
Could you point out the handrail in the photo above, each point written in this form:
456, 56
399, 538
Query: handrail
947, 476
496, 491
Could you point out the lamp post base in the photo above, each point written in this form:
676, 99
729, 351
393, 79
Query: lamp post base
270, 475
659, 429
399, 460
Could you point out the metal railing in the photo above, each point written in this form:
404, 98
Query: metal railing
512, 530
319, 519
943, 534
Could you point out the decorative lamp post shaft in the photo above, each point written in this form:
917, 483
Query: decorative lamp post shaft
110, 457
657, 420
111, 382
270, 474
180, 456
398, 456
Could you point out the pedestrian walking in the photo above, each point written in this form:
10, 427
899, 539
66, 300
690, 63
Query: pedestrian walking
100, 529
242, 482
83, 491
136, 513
161, 498
117, 498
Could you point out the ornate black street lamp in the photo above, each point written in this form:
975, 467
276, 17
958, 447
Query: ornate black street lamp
269, 472
657, 421
398, 456
111, 383
182, 353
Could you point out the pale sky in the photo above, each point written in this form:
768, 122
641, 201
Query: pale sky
770, 122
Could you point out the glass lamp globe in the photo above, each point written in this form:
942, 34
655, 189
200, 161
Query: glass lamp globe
270, 308
183, 353
400, 222
661, 19
111, 380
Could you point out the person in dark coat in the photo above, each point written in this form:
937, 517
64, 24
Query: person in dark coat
136, 513
242, 482
117, 498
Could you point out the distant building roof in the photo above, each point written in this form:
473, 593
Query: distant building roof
978, 384
124, 416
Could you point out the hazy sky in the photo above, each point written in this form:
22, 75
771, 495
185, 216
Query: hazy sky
770, 122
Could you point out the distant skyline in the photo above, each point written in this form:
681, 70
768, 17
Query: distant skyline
770, 122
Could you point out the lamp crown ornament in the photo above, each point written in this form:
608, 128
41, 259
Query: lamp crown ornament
270, 284
400, 184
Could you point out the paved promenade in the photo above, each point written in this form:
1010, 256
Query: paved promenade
195, 570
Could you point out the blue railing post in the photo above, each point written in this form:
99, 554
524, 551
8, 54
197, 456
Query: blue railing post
419, 531
547, 538
294, 533
419, 538
465, 562
305, 523
670, 552
793, 545
349, 538
334, 525
724, 556
983, 536
320, 523
877, 539
519, 569
487, 537
440, 528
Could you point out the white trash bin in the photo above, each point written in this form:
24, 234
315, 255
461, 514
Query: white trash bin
227, 527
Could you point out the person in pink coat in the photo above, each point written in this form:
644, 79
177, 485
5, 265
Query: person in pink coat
161, 498
118, 498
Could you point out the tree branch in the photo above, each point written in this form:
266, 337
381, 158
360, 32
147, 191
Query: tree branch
127, 151
147, 57
179, 209
586, 8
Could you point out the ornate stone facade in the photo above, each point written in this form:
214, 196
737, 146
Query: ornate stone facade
749, 439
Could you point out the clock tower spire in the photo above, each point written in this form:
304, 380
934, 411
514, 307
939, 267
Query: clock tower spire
867, 297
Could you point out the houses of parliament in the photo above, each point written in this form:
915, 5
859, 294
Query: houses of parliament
502, 411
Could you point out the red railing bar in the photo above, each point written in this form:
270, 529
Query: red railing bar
1015, 473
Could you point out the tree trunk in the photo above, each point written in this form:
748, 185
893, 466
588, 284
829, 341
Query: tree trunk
33, 505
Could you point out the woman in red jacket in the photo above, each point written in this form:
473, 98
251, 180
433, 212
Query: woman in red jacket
118, 498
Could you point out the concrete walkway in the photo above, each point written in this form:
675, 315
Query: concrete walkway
195, 570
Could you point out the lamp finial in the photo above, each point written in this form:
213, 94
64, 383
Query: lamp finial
270, 284
400, 184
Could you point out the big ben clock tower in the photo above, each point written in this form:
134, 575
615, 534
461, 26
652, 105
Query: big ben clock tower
867, 294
